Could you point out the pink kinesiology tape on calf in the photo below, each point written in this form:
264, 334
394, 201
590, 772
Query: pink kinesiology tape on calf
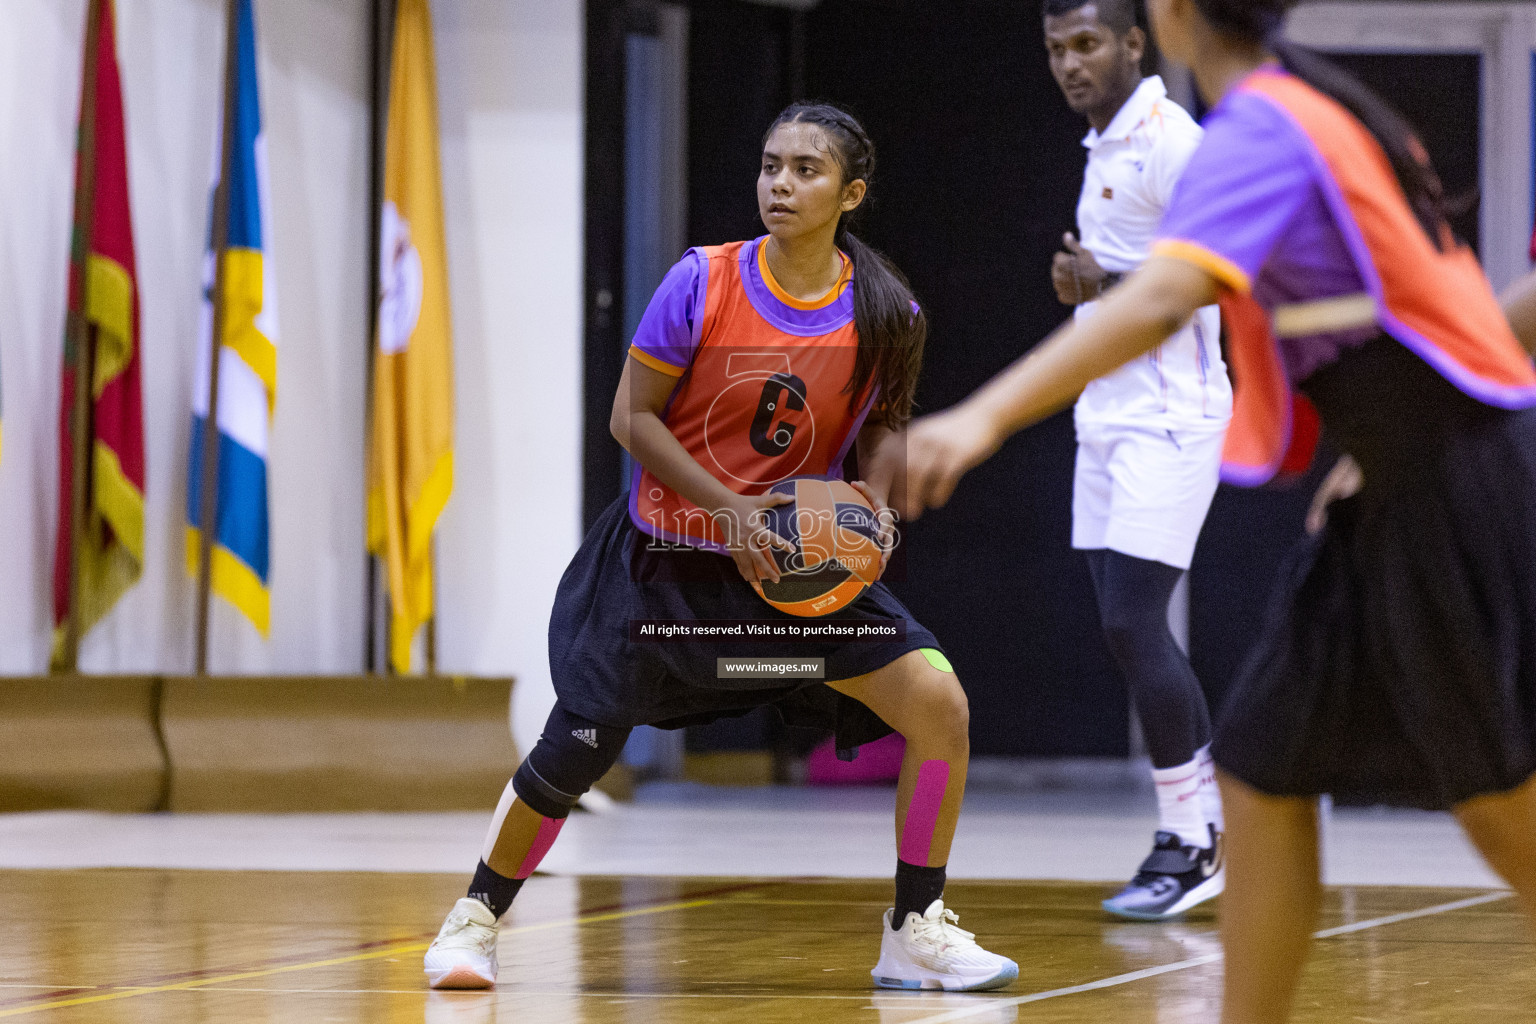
549, 828
923, 812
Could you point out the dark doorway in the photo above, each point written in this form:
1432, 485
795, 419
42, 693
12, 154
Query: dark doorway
980, 169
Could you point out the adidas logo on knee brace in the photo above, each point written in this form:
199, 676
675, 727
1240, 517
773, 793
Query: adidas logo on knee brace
587, 736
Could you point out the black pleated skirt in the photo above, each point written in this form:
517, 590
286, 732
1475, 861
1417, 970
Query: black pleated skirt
1398, 660
603, 672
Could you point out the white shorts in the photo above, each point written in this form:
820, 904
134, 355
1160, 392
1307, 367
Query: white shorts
1144, 491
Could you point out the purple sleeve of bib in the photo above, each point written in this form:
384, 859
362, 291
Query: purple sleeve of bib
1240, 192
669, 329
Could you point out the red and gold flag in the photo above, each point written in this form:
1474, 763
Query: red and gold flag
103, 298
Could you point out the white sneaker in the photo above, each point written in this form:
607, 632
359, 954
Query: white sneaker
932, 951
464, 953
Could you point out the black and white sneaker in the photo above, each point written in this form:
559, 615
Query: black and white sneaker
1173, 878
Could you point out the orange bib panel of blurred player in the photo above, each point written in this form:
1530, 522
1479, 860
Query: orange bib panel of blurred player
1437, 303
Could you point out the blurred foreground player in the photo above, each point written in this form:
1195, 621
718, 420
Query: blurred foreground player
1399, 661
754, 362
1149, 437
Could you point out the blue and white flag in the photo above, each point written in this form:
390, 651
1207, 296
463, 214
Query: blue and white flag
247, 361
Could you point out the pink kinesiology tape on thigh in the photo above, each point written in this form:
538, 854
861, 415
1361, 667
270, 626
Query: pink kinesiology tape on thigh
923, 812
549, 828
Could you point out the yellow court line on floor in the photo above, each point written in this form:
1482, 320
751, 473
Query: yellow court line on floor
128, 992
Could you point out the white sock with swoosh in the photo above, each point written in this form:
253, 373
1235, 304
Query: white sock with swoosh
1180, 801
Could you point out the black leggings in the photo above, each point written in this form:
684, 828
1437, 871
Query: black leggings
1133, 595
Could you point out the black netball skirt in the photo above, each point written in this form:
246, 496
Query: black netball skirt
605, 670
1398, 660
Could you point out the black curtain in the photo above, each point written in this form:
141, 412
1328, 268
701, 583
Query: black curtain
980, 169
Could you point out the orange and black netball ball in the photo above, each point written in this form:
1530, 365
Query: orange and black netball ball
837, 546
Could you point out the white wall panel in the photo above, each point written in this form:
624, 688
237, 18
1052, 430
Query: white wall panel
510, 75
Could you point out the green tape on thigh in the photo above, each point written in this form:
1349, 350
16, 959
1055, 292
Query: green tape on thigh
936, 659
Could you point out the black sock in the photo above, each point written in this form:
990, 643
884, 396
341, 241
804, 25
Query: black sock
495, 891
916, 888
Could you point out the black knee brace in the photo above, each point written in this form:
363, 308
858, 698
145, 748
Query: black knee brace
571, 755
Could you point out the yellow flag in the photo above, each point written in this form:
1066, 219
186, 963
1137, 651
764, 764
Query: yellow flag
410, 464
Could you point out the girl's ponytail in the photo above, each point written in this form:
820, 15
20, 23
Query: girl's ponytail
892, 331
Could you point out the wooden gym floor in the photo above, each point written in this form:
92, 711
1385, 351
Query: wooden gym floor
220, 947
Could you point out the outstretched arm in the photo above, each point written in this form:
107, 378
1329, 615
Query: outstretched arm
1132, 319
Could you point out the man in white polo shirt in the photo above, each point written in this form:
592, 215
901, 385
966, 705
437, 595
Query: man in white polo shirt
1149, 436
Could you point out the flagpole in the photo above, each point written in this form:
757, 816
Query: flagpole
79, 329
381, 36
208, 487
432, 619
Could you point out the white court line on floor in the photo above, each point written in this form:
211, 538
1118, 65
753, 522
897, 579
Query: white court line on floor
1409, 915
1200, 961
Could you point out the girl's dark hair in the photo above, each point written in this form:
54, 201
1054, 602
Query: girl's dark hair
1263, 22
891, 329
